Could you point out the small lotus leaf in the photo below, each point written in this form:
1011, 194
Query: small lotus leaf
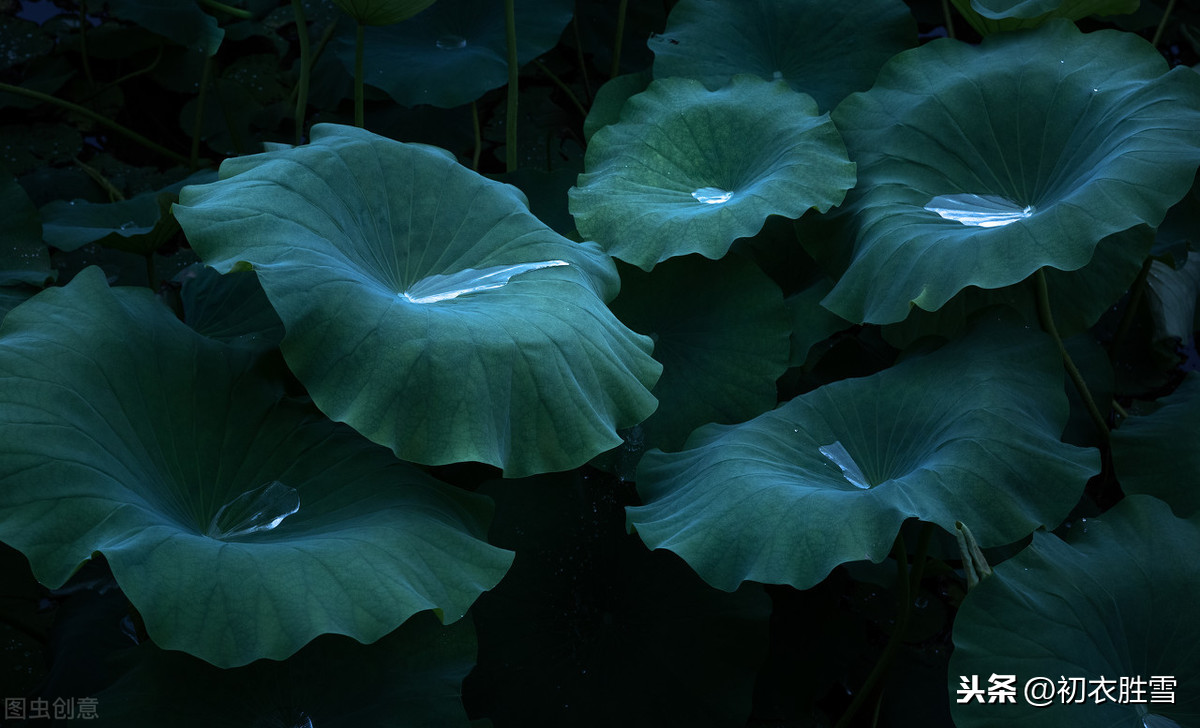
425, 305
1100, 617
240, 524
688, 170
967, 433
455, 51
803, 42
1159, 454
1080, 136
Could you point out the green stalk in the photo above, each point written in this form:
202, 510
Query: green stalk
906, 580
83, 47
587, 86
616, 61
305, 68
1162, 24
949, 18
227, 9
510, 32
201, 97
1136, 290
1047, 320
566, 89
359, 44
102, 120
478, 136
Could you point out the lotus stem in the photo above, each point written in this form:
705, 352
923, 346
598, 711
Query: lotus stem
949, 18
102, 120
1047, 320
359, 44
114, 194
1162, 24
140, 71
510, 33
907, 579
151, 276
616, 59
587, 86
83, 47
305, 68
565, 88
227, 9
478, 136
201, 97
1120, 410
1136, 290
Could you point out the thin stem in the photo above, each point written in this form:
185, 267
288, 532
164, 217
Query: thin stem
478, 136
587, 86
227, 9
1047, 320
1120, 410
1162, 24
140, 71
510, 31
949, 18
99, 119
201, 98
906, 579
305, 68
83, 46
151, 275
616, 60
1136, 290
359, 44
114, 194
566, 89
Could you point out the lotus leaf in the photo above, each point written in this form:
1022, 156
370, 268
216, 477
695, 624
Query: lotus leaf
382, 12
993, 16
967, 433
182, 21
802, 42
425, 306
455, 51
720, 330
240, 524
1115, 604
688, 170
1159, 454
980, 164
24, 259
232, 308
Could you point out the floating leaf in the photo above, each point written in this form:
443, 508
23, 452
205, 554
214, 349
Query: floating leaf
126, 433
688, 170
1069, 138
1114, 604
803, 42
968, 433
385, 258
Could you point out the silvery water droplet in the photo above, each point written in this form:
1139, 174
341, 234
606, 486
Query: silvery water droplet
839, 456
986, 211
712, 195
451, 42
257, 510
440, 287
1153, 720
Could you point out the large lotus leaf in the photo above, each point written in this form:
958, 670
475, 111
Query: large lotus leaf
688, 170
425, 306
24, 259
241, 525
1117, 604
453, 52
980, 164
591, 629
409, 679
382, 12
720, 330
826, 50
967, 433
993, 16
1173, 295
1159, 453
232, 308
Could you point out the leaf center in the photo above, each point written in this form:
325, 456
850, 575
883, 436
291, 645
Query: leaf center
979, 210
254, 511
